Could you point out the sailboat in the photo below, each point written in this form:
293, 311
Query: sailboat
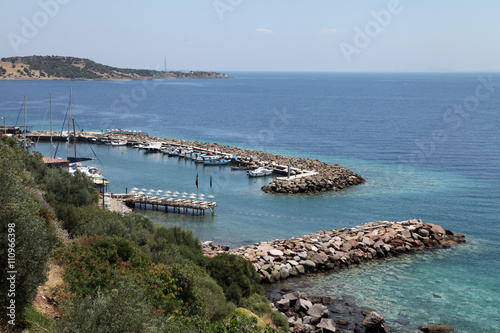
92, 172
25, 142
74, 159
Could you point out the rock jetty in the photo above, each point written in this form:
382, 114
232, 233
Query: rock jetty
324, 177
339, 248
329, 178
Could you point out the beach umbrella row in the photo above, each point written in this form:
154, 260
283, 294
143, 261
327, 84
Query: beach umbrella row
153, 193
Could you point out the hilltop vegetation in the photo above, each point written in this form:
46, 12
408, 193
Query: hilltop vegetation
70, 68
120, 273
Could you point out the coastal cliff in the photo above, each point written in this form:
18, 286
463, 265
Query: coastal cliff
71, 68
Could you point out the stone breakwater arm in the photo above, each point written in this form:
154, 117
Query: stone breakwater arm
339, 248
317, 176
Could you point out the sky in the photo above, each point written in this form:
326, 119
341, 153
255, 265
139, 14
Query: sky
258, 35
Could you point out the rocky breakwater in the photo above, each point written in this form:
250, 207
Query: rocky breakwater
340, 248
326, 178
308, 176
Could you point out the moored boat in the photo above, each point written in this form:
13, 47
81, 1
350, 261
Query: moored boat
215, 161
259, 172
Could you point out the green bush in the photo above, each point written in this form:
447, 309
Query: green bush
36, 322
237, 276
213, 300
96, 262
22, 226
99, 262
186, 245
259, 305
122, 309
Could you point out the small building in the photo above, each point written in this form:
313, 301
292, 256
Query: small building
12, 130
56, 163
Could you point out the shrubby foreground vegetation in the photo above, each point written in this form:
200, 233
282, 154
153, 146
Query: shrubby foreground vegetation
121, 273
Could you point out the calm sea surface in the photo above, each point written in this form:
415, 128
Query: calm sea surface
427, 144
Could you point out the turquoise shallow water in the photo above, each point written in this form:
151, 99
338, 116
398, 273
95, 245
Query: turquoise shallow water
382, 126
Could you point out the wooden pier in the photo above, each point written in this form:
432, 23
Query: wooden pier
170, 205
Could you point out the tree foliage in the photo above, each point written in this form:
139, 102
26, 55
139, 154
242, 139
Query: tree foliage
237, 276
25, 236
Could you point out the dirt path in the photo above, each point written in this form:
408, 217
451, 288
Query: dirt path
44, 301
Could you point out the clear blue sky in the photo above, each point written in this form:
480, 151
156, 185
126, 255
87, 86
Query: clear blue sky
258, 35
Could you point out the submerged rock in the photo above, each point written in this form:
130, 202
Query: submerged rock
436, 328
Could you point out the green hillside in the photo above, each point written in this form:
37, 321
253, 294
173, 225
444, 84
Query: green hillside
71, 68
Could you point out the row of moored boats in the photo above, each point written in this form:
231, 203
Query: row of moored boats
254, 169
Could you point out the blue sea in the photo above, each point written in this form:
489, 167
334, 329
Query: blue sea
427, 144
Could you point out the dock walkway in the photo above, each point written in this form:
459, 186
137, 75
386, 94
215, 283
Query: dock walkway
179, 206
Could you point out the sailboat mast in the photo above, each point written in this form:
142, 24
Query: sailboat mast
51, 148
25, 106
74, 136
69, 117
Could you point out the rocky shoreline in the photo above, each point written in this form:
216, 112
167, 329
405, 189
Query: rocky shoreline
339, 248
327, 315
306, 313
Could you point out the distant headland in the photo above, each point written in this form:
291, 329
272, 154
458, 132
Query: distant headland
71, 68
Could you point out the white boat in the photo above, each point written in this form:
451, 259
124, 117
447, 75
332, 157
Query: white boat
152, 147
215, 161
90, 171
259, 172
118, 143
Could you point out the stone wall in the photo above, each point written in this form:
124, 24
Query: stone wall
339, 248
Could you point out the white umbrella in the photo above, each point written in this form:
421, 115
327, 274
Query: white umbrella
176, 192
184, 193
131, 192
151, 190
135, 189
192, 194
141, 193
168, 192
192, 197
201, 195
144, 189
159, 191
210, 196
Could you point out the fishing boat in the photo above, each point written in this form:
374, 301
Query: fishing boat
244, 167
119, 143
173, 152
215, 161
259, 172
152, 147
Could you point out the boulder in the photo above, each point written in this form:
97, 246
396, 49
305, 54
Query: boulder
302, 305
284, 273
327, 325
283, 305
317, 311
276, 253
309, 265
423, 232
374, 323
436, 328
